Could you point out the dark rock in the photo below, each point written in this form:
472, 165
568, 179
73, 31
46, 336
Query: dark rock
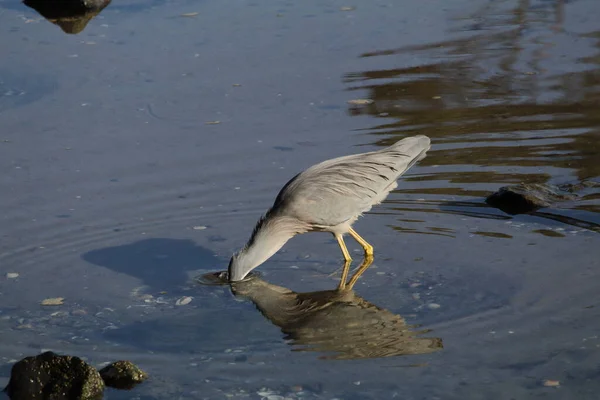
71, 15
49, 376
526, 198
122, 375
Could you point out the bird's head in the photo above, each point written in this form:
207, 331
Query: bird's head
238, 267
269, 235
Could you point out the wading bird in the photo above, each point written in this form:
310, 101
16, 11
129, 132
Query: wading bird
329, 197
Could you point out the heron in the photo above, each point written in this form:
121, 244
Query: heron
328, 197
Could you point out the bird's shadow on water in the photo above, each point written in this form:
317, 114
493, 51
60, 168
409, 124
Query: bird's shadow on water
159, 263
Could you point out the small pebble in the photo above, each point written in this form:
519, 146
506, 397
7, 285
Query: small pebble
12, 275
433, 306
53, 301
183, 301
360, 102
551, 383
59, 314
264, 392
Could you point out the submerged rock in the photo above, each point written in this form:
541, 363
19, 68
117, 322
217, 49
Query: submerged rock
525, 198
122, 375
51, 376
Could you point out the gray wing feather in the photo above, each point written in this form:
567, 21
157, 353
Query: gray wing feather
340, 189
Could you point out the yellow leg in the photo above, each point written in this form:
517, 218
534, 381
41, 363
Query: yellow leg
342, 284
365, 245
340, 240
363, 267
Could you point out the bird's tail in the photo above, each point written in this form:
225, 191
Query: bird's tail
413, 147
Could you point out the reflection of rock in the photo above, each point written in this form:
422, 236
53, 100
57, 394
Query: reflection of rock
335, 321
71, 15
576, 187
525, 198
122, 375
50, 376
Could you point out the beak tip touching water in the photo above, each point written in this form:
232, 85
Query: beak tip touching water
233, 276
234, 272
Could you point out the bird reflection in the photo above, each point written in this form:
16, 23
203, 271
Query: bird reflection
337, 322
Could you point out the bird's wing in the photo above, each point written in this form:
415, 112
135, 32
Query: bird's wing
340, 189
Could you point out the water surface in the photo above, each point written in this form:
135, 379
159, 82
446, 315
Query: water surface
139, 153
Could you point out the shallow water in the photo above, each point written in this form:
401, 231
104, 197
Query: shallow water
119, 189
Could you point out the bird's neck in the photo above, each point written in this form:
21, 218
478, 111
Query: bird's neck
269, 235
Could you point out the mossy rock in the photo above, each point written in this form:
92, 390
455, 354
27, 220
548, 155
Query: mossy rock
122, 375
49, 376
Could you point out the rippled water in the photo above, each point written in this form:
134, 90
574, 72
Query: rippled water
119, 188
